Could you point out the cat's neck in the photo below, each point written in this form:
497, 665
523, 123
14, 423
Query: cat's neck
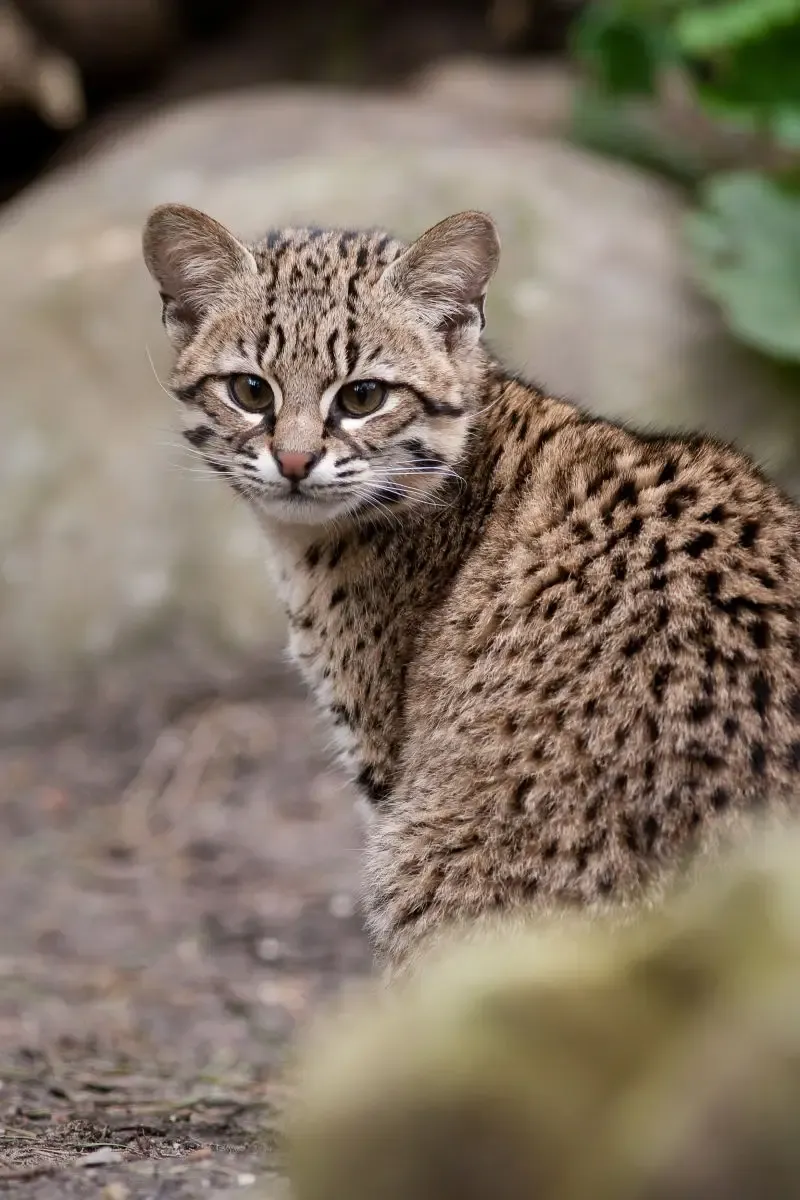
359, 596
509, 420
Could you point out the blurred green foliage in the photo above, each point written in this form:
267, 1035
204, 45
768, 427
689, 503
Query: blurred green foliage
741, 58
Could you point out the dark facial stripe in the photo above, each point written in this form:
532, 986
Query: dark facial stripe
198, 436
437, 408
190, 392
403, 424
421, 453
332, 343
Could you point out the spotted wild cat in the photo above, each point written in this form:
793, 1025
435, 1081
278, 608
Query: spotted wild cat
557, 654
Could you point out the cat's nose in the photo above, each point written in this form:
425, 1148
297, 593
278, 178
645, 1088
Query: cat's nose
294, 464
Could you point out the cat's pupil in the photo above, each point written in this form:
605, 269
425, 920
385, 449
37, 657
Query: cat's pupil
250, 392
362, 396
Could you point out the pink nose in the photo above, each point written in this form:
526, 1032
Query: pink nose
294, 464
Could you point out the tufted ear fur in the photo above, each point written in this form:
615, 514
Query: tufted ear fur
190, 256
447, 270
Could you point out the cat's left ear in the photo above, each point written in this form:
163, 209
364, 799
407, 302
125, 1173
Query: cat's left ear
191, 257
447, 270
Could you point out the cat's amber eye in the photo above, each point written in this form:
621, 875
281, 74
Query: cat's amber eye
250, 392
361, 397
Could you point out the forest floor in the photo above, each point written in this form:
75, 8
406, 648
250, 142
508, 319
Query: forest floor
177, 888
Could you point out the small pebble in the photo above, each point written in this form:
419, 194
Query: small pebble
115, 1191
100, 1158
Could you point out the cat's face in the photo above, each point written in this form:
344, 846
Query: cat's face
325, 374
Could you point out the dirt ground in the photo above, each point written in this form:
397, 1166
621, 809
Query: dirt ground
177, 889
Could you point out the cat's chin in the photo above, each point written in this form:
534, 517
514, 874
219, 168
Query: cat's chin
299, 509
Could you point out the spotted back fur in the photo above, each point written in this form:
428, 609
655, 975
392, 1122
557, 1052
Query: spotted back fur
557, 654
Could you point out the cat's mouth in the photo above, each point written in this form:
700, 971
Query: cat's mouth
305, 505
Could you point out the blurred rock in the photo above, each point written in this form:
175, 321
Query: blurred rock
576, 1062
109, 537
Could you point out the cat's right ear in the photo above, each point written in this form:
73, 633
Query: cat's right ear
191, 257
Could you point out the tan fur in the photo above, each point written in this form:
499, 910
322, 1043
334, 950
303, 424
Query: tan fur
557, 655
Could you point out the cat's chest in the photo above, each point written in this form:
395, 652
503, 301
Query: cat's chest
329, 643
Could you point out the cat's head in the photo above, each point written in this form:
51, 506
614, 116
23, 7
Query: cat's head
325, 373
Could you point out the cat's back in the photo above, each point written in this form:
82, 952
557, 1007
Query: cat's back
629, 618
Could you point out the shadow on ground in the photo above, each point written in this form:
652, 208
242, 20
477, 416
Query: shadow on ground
177, 883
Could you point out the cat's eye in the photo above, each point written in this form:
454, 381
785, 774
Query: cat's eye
250, 392
361, 397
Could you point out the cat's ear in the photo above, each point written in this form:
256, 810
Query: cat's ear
447, 270
191, 257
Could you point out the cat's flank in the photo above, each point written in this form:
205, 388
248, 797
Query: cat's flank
558, 655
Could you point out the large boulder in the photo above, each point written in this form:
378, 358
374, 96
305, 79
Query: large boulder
109, 538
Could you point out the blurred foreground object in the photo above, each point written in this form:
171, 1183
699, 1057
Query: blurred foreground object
569, 1062
37, 76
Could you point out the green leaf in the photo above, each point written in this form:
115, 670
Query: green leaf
620, 129
625, 50
761, 73
708, 28
757, 85
746, 246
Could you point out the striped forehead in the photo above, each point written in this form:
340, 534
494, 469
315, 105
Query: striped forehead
323, 259
313, 281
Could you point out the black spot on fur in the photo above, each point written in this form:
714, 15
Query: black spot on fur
758, 757
720, 799
375, 791
677, 500
668, 473
660, 680
337, 596
650, 831
697, 546
762, 692
712, 584
337, 552
749, 534
519, 794
700, 711
659, 555
625, 494
632, 646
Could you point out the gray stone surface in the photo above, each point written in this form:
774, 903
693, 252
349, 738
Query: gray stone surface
108, 535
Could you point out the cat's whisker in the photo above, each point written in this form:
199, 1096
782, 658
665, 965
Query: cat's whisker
158, 379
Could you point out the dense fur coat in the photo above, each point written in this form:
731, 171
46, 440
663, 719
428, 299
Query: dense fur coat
557, 654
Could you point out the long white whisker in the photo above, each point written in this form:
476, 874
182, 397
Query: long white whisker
157, 378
